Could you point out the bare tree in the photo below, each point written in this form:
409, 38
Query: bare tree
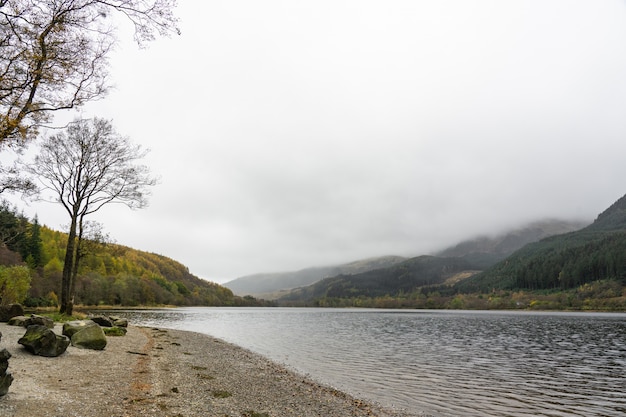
86, 168
53, 55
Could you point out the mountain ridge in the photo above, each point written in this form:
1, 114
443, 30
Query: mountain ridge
267, 285
585, 259
477, 253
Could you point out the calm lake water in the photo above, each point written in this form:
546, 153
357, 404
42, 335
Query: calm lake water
442, 363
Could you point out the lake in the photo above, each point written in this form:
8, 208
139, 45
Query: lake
442, 363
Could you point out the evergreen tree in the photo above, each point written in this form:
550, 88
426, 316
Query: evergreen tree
33, 254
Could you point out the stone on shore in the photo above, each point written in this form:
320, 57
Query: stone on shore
85, 334
102, 321
119, 322
30, 321
5, 377
72, 327
39, 320
4, 360
40, 340
9, 311
18, 321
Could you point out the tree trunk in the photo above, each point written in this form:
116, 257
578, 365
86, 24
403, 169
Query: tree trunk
77, 256
66, 280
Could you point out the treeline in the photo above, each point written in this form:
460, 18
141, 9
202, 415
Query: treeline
603, 295
396, 280
109, 274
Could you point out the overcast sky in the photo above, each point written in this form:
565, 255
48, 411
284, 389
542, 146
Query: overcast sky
290, 134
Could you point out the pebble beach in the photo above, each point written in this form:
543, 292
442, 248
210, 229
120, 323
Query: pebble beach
168, 373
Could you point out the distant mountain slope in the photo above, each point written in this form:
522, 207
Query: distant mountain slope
486, 251
611, 219
264, 284
564, 261
404, 277
480, 253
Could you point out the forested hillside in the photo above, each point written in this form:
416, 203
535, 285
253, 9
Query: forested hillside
560, 262
404, 279
584, 269
109, 274
565, 261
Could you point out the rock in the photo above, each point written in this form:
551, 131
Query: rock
5, 377
102, 321
39, 320
30, 321
5, 382
11, 310
85, 334
18, 321
4, 361
120, 322
91, 337
72, 327
40, 340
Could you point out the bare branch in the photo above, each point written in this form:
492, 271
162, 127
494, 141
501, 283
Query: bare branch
86, 167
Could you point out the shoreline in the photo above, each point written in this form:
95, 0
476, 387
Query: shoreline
168, 373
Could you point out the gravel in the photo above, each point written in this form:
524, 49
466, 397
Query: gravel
168, 373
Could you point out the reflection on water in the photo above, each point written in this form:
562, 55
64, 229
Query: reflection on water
442, 363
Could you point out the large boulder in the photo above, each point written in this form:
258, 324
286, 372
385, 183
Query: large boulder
10, 310
90, 338
19, 321
72, 327
102, 321
4, 361
85, 334
30, 321
39, 320
5, 377
5, 382
40, 340
119, 322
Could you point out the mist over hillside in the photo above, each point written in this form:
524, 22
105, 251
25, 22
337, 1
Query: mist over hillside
593, 253
563, 266
480, 253
484, 251
266, 285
